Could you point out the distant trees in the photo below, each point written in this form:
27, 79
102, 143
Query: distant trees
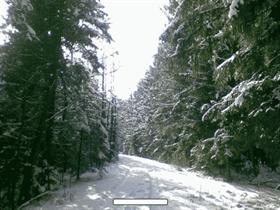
53, 117
211, 99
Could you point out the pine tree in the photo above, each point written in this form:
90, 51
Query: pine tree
213, 91
52, 107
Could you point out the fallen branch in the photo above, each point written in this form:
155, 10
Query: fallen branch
32, 199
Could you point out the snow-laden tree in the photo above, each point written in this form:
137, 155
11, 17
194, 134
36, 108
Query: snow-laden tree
212, 97
248, 84
51, 115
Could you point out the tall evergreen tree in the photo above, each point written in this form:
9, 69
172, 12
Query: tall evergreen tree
51, 106
213, 92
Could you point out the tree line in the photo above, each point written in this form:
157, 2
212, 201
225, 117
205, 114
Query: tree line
55, 119
211, 99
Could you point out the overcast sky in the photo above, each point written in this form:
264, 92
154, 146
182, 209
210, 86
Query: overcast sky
135, 27
3, 8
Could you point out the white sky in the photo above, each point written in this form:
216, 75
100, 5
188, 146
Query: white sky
3, 12
135, 27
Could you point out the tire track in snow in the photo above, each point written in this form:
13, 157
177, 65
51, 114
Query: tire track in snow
120, 184
139, 177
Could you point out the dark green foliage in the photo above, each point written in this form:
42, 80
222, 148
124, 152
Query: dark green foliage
212, 97
51, 120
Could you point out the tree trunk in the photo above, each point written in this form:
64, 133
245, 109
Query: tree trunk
79, 155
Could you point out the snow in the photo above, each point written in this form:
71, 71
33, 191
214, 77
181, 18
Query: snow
135, 177
277, 77
25, 4
76, 12
179, 30
209, 111
236, 97
227, 61
30, 32
177, 95
219, 34
175, 105
238, 92
175, 20
234, 7
175, 53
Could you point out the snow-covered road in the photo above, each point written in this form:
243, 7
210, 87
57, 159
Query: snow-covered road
134, 177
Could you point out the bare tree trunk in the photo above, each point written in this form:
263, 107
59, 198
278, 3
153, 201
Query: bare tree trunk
79, 155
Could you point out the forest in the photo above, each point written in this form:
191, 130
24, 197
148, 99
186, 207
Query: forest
55, 118
210, 100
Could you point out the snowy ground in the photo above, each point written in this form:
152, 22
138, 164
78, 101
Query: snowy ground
134, 177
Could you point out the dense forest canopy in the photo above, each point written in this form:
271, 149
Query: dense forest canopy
212, 97
55, 119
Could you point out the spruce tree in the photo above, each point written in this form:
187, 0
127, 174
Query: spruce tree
51, 106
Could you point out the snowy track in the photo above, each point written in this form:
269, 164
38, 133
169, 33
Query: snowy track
134, 177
